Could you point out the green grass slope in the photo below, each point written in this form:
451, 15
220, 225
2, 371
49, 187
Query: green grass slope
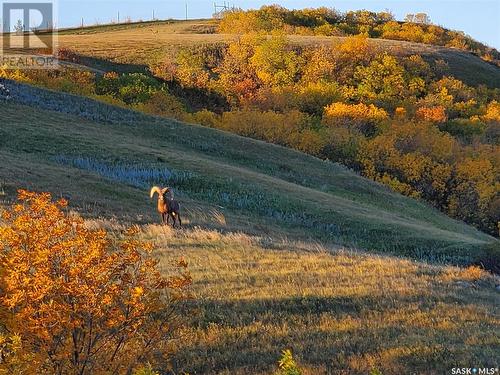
104, 159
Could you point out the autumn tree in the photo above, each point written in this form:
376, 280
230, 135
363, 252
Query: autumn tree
275, 63
416, 66
476, 188
312, 98
240, 22
320, 65
272, 17
382, 81
354, 52
191, 69
360, 117
456, 88
237, 77
414, 159
435, 114
492, 112
76, 301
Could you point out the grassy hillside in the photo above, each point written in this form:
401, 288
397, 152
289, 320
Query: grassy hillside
267, 238
340, 312
118, 44
117, 154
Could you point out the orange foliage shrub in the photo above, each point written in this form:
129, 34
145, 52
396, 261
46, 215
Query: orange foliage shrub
400, 113
414, 159
163, 104
431, 114
79, 302
362, 117
492, 112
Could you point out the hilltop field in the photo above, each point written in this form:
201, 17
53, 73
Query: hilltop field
116, 47
287, 250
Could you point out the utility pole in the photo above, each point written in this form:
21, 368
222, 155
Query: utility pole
153, 14
186, 11
118, 17
220, 9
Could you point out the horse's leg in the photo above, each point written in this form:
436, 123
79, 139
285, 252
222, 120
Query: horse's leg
180, 221
168, 218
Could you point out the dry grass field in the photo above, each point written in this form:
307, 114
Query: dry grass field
339, 311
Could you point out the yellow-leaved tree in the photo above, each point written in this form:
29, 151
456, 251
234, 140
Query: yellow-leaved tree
361, 117
73, 301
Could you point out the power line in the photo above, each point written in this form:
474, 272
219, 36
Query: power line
220, 9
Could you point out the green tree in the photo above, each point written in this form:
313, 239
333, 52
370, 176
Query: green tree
275, 63
381, 82
191, 69
287, 365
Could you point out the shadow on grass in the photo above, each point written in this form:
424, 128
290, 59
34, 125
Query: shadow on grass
332, 334
110, 66
195, 99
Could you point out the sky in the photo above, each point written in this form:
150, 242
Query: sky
477, 18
